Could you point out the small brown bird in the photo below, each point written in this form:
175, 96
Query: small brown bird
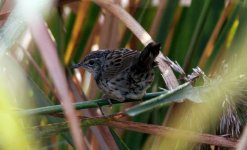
122, 73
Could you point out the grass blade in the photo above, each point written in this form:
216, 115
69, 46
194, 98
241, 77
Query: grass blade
119, 141
185, 91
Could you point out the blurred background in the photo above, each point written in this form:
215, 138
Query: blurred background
205, 33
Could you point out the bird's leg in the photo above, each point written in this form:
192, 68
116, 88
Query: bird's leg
106, 97
140, 100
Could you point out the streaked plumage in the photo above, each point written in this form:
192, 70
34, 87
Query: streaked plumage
122, 73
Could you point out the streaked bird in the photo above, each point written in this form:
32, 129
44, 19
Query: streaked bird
122, 73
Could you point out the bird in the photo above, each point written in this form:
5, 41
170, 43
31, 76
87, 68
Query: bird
122, 73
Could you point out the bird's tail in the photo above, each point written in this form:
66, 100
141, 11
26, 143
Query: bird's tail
148, 55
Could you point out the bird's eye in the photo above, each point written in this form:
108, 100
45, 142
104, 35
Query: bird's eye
91, 62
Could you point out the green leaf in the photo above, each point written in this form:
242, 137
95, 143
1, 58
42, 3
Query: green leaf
184, 91
118, 140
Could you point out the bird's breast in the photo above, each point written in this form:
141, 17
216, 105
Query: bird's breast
127, 84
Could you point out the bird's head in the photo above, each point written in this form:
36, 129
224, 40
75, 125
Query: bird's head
92, 63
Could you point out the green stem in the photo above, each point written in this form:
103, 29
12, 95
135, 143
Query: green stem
51, 129
82, 105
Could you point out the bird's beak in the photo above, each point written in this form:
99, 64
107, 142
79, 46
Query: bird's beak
77, 65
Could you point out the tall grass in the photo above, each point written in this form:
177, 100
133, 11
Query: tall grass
40, 40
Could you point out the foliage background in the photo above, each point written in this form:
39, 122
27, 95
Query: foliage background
204, 33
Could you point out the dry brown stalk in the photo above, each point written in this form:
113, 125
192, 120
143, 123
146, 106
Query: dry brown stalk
174, 133
168, 132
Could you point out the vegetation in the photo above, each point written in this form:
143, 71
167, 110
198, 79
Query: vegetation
45, 104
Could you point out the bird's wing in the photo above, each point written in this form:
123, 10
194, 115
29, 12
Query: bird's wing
118, 60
